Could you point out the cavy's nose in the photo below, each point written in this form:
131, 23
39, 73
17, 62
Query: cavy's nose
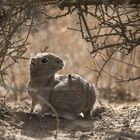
59, 60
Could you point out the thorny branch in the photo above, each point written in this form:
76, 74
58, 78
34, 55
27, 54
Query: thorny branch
114, 19
122, 24
117, 29
117, 20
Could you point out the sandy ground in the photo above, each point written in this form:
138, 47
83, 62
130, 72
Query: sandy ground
120, 122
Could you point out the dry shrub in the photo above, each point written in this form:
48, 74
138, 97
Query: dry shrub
68, 44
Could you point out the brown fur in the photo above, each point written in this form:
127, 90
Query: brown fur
70, 95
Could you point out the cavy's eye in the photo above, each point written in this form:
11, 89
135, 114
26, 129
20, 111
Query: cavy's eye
45, 60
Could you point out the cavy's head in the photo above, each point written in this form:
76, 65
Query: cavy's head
45, 64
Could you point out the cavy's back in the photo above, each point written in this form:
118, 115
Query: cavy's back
74, 95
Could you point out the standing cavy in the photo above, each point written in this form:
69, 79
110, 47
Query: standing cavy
70, 95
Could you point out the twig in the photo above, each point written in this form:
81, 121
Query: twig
54, 111
86, 26
129, 79
7, 92
135, 66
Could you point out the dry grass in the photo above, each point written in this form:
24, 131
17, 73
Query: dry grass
107, 123
75, 51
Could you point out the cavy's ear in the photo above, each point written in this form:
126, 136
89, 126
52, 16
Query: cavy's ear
31, 60
35, 54
39, 53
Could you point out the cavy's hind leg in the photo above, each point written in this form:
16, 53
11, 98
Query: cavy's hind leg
44, 109
33, 104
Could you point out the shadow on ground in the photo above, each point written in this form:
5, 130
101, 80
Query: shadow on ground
37, 126
107, 123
